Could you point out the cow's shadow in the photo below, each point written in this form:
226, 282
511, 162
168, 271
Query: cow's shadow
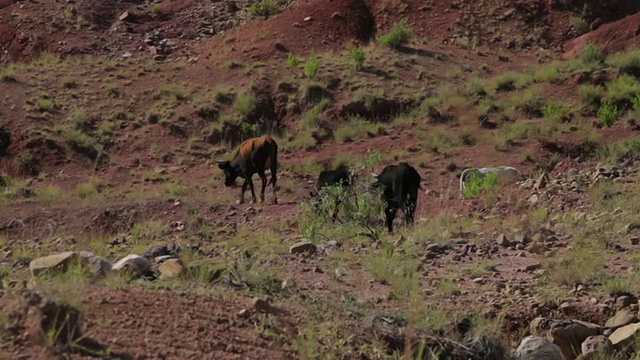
423, 52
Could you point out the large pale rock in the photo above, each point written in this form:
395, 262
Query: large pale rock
567, 334
55, 261
171, 268
302, 247
624, 336
538, 348
621, 318
134, 262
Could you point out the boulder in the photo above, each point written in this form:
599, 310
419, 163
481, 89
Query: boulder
171, 268
303, 247
597, 344
567, 334
538, 348
134, 262
55, 261
624, 336
98, 265
621, 318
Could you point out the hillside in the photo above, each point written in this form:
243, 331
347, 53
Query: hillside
114, 113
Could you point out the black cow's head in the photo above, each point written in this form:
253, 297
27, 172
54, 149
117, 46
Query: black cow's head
230, 172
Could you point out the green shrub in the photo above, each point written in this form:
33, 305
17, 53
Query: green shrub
311, 67
554, 111
264, 8
623, 90
357, 54
476, 184
292, 60
608, 113
244, 104
628, 62
591, 95
592, 54
399, 35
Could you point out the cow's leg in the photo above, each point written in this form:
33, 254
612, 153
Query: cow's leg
335, 211
244, 188
263, 177
390, 213
274, 180
253, 192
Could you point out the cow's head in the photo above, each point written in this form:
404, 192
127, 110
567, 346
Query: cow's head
230, 172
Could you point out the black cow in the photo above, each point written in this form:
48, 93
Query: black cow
339, 176
400, 184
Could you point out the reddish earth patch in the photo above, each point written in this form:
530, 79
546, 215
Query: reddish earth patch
617, 36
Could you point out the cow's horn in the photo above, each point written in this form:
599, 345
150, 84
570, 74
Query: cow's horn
219, 161
374, 175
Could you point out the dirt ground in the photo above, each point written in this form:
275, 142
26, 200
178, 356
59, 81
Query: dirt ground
113, 58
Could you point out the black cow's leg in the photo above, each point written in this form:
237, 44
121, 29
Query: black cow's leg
335, 211
244, 188
263, 177
390, 213
274, 180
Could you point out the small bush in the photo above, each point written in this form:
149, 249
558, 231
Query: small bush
357, 128
608, 113
579, 24
311, 67
87, 189
628, 63
292, 60
358, 56
511, 80
591, 95
399, 35
623, 90
554, 111
591, 55
264, 8
244, 104
476, 184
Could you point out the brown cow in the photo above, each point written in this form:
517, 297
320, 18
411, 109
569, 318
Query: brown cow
255, 155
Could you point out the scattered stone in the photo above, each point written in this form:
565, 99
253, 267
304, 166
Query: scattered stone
567, 308
538, 348
541, 182
137, 263
123, 16
162, 250
597, 343
244, 313
567, 334
56, 261
308, 18
127, 55
171, 269
625, 335
621, 318
503, 241
261, 305
98, 265
303, 247
533, 267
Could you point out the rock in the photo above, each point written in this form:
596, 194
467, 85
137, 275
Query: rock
536, 248
533, 267
538, 348
625, 335
302, 247
534, 198
98, 265
162, 250
137, 263
261, 305
567, 308
621, 318
567, 334
597, 343
503, 241
56, 261
123, 16
244, 313
171, 268
541, 182
127, 55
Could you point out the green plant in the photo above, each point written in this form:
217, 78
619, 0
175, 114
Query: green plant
554, 111
608, 113
263, 7
89, 188
476, 184
244, 104
356, 128
592, 55
590, 95
622, 90
399, 35
579, 24
292, 60
358, 56
626, 62
311, 67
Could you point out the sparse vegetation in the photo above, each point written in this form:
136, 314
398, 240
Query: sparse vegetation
311, 66
358, 56
608, 113
399, 35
